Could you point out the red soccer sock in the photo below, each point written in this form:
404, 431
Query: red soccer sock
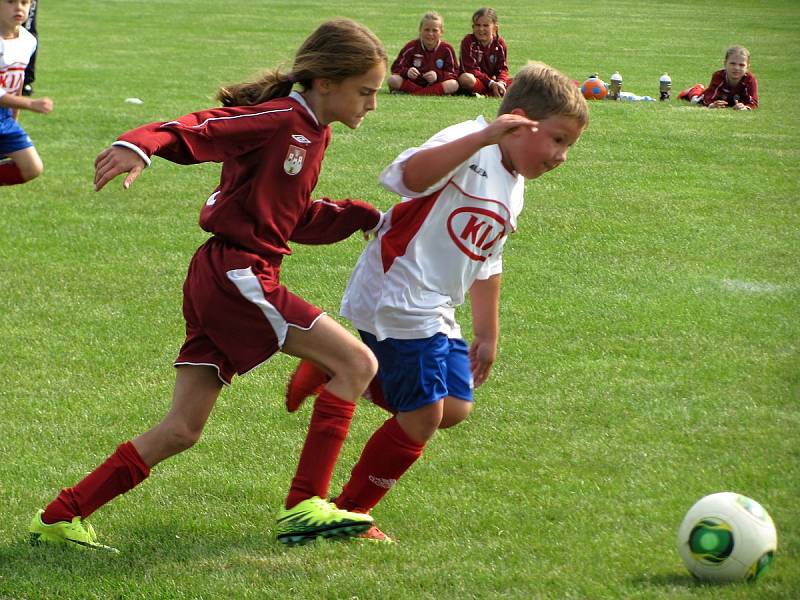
479, 88
327, 431
307, 380
432, 90
388, 454
121, 471
409, 87
10, 174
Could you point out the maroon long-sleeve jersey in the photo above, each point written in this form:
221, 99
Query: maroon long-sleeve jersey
746, 91
271, 157
486, 63
441, 59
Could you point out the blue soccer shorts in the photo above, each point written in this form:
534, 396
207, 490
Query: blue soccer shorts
12, 137
415, 373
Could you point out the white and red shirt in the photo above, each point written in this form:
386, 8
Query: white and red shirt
442, 60
433, 245
271, 156
14, 56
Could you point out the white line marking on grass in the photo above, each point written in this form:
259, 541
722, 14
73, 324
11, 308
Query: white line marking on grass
752, 287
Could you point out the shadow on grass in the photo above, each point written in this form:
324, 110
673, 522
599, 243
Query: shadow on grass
160, 553
674, 581
145, 552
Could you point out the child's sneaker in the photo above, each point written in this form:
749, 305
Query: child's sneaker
74, 533
316, 517
307, 380
374, 534
689, 94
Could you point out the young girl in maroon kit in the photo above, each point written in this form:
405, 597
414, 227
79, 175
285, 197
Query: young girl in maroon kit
270, 141
427, 65
734, 86
484, 57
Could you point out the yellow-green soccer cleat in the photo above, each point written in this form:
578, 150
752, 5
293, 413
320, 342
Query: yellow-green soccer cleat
73, 533
316, 517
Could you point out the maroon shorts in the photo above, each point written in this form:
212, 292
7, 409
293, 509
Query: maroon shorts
237, 313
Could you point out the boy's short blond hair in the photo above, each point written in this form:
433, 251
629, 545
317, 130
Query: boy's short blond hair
542, 91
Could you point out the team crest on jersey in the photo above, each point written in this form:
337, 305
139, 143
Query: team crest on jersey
301, 139
492, 58
439, 63
476, 230
294, 160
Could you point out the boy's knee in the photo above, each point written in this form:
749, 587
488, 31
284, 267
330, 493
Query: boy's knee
421, 424
455, 411
31, 171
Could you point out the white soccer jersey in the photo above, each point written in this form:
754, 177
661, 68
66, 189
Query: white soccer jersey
435, 244
14, 57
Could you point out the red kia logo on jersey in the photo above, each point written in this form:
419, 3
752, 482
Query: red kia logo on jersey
475, 230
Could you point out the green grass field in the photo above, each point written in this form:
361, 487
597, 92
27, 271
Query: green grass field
650, 320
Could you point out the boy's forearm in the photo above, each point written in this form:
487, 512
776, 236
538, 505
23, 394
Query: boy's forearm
15, 102
485, 301
428, 166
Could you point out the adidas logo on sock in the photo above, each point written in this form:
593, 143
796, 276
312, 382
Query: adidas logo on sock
381, 482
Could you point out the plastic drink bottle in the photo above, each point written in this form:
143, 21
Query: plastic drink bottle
616, 86
664, 86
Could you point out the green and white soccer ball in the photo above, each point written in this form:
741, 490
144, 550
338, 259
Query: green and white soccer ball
727, 537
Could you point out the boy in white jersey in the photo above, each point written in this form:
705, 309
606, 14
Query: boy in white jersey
16, 47
462, 192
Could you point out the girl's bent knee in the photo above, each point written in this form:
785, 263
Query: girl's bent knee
395, 82
364, 365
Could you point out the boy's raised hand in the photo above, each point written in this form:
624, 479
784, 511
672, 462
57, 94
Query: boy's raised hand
115, 160
505, 124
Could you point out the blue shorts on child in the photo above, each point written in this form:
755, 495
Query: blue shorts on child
12, 135
415, 373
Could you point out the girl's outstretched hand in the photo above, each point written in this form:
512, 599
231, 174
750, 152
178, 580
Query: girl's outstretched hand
113, 161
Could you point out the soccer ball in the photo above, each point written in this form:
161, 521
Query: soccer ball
727, 537
594, 88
